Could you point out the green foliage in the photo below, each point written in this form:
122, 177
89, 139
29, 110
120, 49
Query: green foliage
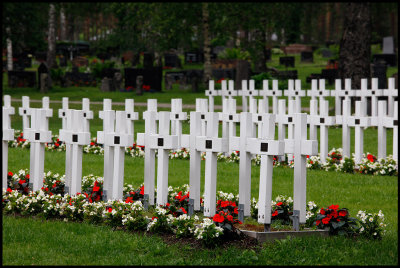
98, 68
57, 75
234, 53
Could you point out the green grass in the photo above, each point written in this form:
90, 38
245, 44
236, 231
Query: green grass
29, 241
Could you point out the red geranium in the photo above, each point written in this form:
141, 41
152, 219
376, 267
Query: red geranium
334, 207
279, 204
218, 218
275, 213
371, 158
22, 181
342, 213
10, 174
322, 211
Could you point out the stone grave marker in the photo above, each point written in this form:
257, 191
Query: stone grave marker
323, 120
150, 125
307, 56
8, 135
300, 147
38, 134
286, 61
388, 45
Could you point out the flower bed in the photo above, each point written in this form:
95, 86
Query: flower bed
129, 213
334, 162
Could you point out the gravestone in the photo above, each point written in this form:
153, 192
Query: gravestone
219, 74
307, 56
388, 53
152, 77
286, 61
300, 147
46, 84
172, 60
80, 61
8, 135
150, 128
388, 45
117, 81
326, 53
106, 85
21, 79
148, 59
194, 57
24, 112
379, 71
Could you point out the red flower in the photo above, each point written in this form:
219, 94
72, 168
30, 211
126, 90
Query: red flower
90, 200
183, 210
279, 204
370, 157
46, 189
96, 188
235, 210
129, 200
334, 207
142, 190
22, 181
54, 185
322, 211
275, 213
97, 198
27, 176
10, 174
308, 156
342, 213
230, 218
317, 222
9, 190
326, 220
218, 218
109, 209
168, 204
92, 143
225, 204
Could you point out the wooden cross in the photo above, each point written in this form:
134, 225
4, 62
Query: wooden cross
38, 134
294, 92
227, 92
301, 148
374, 93
8, 135
202, 107
212, 145
247, 93
177, 116
340, 94
359, 122
150, 128
391, 92
24, 112
323, 120
274, 93
229, 119
62, 113
211, 93
318, 91
131, 115
344, 120
189, 141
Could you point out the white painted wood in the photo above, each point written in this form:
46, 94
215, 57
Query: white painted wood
344, 120
375, 93
300, 147
202, 107
342, 94
229, 119
131, 115
62, 113
294, 92
24, 112
177, 117
359, 121
274, 93
211, 93
8, 135
391, 92
318, 90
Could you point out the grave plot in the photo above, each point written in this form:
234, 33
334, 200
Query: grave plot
152, 77
8, 135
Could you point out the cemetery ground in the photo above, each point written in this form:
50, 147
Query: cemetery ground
56, 243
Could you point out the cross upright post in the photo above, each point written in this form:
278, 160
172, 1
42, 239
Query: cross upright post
202, 107
340, 93
131, 115
391, 92
300, 147
24, 112
359, 122
344, 120
211, 93
177, 116
8, 135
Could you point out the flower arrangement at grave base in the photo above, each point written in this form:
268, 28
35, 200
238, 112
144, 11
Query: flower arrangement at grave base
131, 194
226, 216
135, 150
337, 220
53, 183
313, 162
208, 233
373, 166
19, 140
19, 181
161, 222
282, 209
93, 147
92, 188
182, 153
371, 224
55, 145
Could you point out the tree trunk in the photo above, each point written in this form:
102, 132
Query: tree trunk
51, 38
260, 51
63, 25
207, 46
355, 47
9, 51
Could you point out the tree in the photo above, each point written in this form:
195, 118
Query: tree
51, 38
207, 47
355, 45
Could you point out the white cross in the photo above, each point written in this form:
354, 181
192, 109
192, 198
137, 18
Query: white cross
374, 93
150, 128
344, 121
323, 120
116, 141
300, 147
24, 112
202, 107
131, 115
274, 93
363, 93
211, 93
294, 91
177, 116
229, 119
316, 91
284, 119
212, 145
340, 93
382, 121
38, 134
391, 93
75, 136
8, 135
189, 141
163, 142
247, 93
359, 122
265, 145
62, 113
226, 92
